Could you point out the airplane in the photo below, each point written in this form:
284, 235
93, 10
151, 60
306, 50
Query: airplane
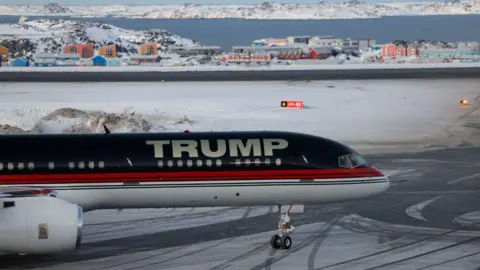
48, 181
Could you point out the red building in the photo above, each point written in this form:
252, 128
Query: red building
84, 50
392, 50
389, 50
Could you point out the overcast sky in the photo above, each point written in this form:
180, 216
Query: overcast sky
170, 2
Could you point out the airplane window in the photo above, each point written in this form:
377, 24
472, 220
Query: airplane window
189, 163
51, 165
170, 163
31, 165
209, 163
278, 162
238, 162
257, 162
267, 161
1, 166
344, 162
360, 160
10, 166
160, 163
21, 166
179, 163
351, 161
81, 165
199, 163
71, 165
91, 164
101, 164
247, 162
218, 162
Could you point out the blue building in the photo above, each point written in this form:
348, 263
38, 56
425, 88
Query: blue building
20, 62
99, 61
102, 61
114, 62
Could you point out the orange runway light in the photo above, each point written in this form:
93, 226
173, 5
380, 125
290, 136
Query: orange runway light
464, 102
291, 104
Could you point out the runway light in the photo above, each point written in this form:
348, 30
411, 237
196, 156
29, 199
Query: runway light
464, 102
291, 104
186, 131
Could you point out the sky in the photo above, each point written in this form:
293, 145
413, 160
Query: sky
172, 2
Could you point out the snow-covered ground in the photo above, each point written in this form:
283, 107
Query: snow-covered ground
350, 242
267, 10
26, 38
364, 114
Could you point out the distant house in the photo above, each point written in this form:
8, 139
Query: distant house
45, 60
3, 54
140, 59
99, 61
149, 49
389, 49
109, 51
20, 62
103, 61
67, 59
84, 50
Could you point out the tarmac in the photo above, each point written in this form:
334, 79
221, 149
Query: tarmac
428, 219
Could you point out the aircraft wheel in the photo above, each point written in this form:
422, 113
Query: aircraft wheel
276, 241
286, 242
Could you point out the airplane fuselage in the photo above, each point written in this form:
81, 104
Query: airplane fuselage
156, 170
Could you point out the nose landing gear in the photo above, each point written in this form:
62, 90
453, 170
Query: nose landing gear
282, 239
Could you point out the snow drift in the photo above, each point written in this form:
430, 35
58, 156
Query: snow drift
70, 120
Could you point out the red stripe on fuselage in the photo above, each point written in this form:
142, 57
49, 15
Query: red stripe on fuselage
186, 176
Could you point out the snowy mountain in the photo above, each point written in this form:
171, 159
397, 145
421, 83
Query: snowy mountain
29, 37
268, 10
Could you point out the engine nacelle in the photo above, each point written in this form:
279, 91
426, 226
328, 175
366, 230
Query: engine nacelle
39, 225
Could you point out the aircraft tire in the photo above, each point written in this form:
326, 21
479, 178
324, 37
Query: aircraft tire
286, 242
275, 241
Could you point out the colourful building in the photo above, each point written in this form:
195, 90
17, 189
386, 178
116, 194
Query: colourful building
4, 53
84, 50
20, 62
149, 49
447, 53
109, 51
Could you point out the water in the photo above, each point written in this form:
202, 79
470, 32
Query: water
234, 32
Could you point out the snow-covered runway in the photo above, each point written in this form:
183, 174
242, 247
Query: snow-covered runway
388, 113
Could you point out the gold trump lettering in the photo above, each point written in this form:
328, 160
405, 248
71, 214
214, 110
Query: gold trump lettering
218, 148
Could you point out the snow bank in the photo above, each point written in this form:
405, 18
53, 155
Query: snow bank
70, 120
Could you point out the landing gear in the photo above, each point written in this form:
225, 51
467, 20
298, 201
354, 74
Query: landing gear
282, 239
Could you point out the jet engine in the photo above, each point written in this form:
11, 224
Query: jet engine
39, 225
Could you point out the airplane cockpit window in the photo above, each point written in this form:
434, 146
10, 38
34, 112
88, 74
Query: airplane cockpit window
351, 161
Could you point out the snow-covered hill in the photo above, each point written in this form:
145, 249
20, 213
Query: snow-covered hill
29, 37
268, 10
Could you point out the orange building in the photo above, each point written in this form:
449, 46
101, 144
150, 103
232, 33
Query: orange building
149, 49
84, 50
109, 51
4, 53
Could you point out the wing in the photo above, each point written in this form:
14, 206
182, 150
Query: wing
15, 192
